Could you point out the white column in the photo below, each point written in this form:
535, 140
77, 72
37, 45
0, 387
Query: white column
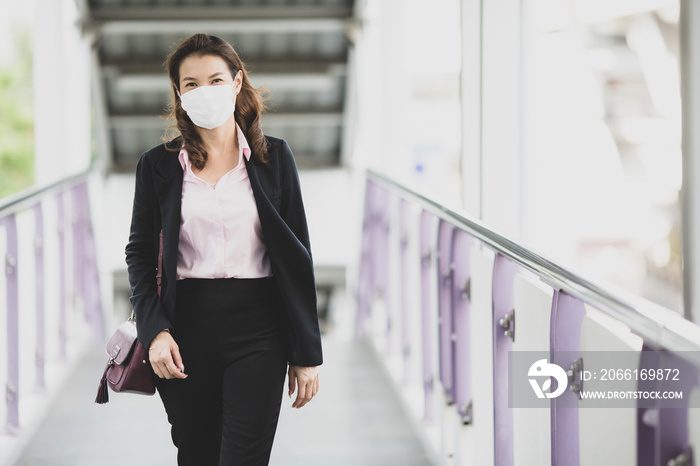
501, 84
61, 92
370, 106
396, 94
49, 79
690, 192
77, 100
471, 106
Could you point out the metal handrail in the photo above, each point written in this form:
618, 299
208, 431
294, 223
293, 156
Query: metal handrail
635, 312
25, 198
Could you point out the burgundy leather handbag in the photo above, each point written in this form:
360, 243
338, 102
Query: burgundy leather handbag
129, 369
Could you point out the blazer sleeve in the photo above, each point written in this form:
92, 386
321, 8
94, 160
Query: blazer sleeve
306, 344
292, 205
141, 258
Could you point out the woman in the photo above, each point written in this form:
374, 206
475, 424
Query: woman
238, 298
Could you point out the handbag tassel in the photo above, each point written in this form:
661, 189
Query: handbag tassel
102, 392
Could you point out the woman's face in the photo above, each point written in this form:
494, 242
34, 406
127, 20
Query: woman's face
207, 70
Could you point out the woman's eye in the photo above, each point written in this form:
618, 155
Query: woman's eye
217, 80
190, 85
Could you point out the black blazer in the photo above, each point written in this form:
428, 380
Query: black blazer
275, 184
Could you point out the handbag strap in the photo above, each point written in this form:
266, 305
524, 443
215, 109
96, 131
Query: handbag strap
159, 275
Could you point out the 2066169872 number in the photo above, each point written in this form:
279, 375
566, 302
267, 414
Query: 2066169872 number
640, 374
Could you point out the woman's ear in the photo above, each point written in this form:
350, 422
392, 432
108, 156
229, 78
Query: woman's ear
238, 81
176, 90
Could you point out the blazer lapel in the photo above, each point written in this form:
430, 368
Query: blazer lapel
168, 167
265, 191
167, 179
168, 184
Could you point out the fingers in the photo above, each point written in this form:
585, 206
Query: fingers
302, 396
308, 382
173, 369
177, 359
164, 366
292, 381
165, 358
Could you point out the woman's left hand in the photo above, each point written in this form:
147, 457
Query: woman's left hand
307, 380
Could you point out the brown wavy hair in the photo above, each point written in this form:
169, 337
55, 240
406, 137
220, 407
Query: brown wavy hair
249, 103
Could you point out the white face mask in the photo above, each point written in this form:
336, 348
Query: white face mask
209, 106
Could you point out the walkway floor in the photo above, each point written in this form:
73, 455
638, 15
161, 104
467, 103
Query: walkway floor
354, 420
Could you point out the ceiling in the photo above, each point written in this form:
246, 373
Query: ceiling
298, 49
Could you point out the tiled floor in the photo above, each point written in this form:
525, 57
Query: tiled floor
354, 420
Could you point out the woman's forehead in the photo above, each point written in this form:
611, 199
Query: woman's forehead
202, 66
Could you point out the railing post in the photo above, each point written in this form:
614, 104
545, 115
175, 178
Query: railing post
11, 265
445, 267
364, 282
60, 207
84, 251
565, 341
462, 347
39, 293
427, 308
504, 272
403, 290
379, 253
672, 433
78, 249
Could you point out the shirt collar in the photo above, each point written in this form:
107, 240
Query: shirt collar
243, 143
243, 147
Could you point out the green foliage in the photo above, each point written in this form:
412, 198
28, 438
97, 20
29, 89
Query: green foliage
17, 122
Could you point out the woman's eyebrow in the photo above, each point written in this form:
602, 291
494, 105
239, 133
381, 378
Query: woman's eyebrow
212, 76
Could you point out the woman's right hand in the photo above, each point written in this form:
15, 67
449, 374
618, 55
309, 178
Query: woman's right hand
165, 358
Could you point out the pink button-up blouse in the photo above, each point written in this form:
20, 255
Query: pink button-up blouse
220, 233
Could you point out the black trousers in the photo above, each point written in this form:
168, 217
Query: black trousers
229, 332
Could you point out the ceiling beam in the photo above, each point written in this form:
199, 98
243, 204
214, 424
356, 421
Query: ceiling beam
316, 81
278, 119
131, 13
177, 26
253, 65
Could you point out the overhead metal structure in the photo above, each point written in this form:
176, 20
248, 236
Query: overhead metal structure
298, 49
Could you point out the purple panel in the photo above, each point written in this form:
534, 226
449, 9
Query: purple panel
662, 432
427, 309
364, 291
39, 296
647, 449
62, 223
380, 255
12, 287
91, 277
445, 266
364, 282
565, 335
77, 246
461, 302
379, 215
503, 279
403, 288
672, 434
